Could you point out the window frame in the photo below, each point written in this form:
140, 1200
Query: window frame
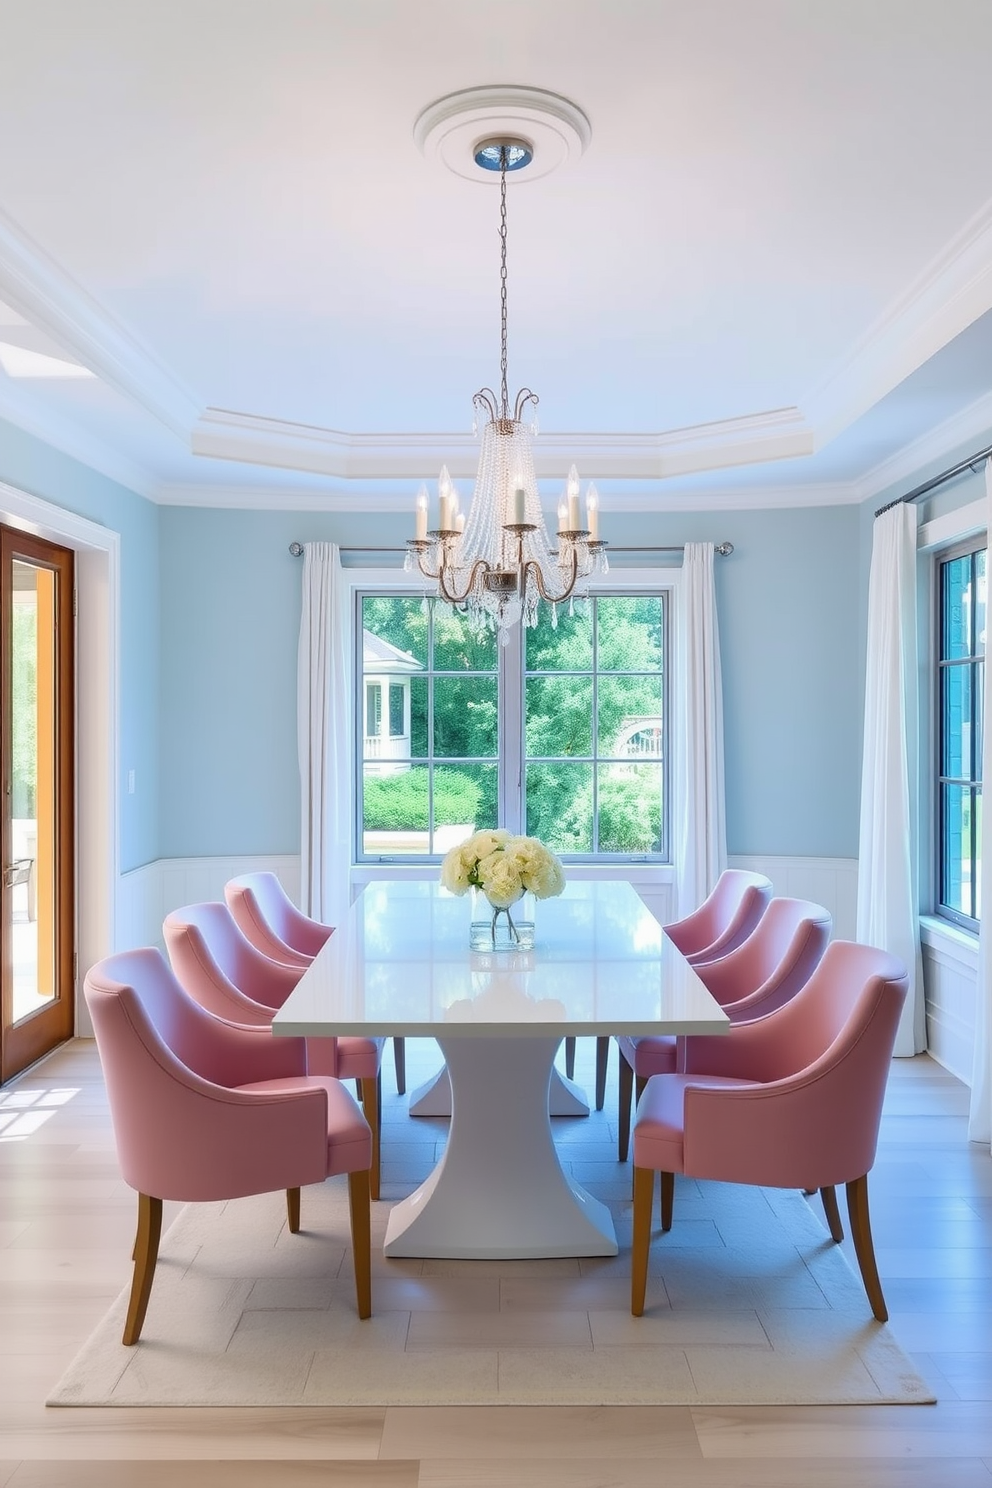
965, 547
662, 582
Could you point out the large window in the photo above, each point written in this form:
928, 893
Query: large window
562, 733
961, 591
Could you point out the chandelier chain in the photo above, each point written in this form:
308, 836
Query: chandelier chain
504, 396
498, 564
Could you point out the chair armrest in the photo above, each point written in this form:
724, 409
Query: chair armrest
801, 1132
180, 1136
742, 1052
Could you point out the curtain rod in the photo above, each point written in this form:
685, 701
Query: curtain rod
938, 480
724, 549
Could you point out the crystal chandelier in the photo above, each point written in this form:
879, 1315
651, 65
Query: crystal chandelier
499, 563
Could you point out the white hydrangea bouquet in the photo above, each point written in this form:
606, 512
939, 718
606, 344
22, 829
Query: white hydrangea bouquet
502, 868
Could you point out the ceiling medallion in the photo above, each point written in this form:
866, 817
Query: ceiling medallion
499, 564
555, 130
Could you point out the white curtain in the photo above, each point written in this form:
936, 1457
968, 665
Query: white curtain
700, 829
980, 1115
888, 892
324, 711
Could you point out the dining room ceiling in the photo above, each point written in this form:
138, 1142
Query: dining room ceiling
230, 274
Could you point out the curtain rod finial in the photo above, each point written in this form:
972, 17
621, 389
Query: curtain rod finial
296, 549
725, 549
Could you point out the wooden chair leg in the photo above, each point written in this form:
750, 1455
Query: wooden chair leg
145, 1256
361, 1239
399, 1060
371, 1107
625, 1104
857, 1210
293, 1210
570, 1058
602, 1060
830, 1209
643, 1199
667, 1200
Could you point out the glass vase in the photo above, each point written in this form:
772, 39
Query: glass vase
493, 929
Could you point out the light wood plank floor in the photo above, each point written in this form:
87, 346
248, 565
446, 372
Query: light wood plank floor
66, 1228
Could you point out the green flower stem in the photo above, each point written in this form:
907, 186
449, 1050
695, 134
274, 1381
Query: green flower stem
509, 920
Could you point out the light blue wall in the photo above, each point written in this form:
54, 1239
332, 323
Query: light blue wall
790, 640
791, 633
40, 470
230, 622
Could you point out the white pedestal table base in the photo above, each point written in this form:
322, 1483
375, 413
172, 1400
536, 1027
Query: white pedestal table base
433, 1098
499, 1191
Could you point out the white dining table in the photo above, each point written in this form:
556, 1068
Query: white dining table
399, 964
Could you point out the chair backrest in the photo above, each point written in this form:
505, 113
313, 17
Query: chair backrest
821, 1062
853, 985
221, 969
268, 918
171, 1069
725, 918
776, 959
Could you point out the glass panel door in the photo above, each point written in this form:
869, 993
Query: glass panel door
36, 918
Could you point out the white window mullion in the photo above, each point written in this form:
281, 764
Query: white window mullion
511, 740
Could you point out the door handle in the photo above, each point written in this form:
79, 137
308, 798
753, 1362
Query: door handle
17, 872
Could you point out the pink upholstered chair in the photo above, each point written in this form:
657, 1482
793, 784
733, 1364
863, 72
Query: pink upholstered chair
233, 980
761, 974
792, 1100
265, 915
719, 924
268, 918
723, 920
205, 1110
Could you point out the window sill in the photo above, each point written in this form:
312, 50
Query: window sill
633, 872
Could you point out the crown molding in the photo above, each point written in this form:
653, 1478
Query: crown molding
342, 500
33, 284
71, 440
736, 498
254, 439
906, 465
275, 497
951, 293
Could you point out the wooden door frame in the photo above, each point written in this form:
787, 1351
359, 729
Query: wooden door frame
21, 1044
98, 567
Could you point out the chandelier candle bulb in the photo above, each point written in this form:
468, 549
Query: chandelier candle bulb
592, 510
421, 516
574, 522
460, 522
519, 507
562, 517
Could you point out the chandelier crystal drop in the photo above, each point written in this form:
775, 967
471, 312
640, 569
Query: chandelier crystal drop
498, 564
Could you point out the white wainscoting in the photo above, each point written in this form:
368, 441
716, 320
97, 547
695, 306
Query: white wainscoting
950, 980
832, 882
148, 894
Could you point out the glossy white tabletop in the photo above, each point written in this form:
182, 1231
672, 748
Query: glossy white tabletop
400, 964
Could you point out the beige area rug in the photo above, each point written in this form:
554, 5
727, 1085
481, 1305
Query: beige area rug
749, 1302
